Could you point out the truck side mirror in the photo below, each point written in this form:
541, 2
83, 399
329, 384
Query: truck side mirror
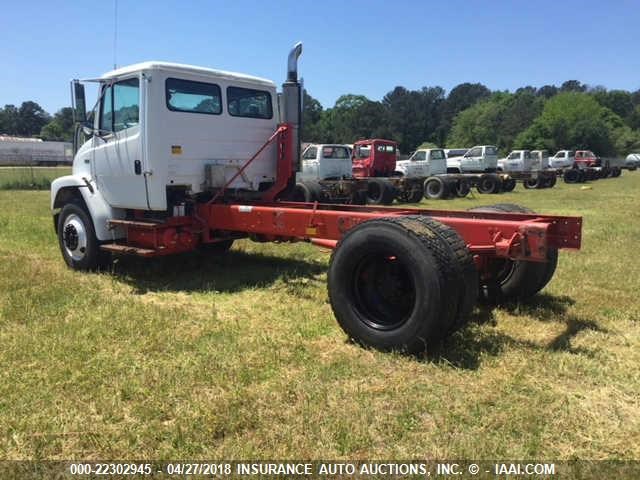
79, 104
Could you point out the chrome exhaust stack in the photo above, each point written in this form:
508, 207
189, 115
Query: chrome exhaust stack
292, 101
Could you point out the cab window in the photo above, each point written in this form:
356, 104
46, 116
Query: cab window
310, 153
335, 152
363, 151
192, 97
120, 106
474, 152
419, 156
386, 148
246, 102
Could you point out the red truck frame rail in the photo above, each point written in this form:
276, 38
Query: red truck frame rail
399, 278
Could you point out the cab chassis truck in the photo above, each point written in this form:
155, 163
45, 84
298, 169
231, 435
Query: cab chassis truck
398, 279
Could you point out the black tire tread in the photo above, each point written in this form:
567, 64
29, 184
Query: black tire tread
445, 265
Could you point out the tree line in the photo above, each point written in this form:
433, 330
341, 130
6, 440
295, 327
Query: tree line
31, 120
573, 116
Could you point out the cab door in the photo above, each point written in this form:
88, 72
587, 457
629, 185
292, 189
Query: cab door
418, 167
335, 162
117, 159
471, 160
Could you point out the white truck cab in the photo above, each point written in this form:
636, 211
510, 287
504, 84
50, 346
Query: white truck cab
423, 163
519, 161
205, 125
325, 162
481, 158
541, 158
563, 159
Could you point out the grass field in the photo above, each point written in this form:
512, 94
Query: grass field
30, 178
240, 357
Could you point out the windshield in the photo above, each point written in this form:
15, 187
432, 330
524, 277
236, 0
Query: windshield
363, 151
419, 156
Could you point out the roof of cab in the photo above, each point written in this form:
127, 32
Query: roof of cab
183, 68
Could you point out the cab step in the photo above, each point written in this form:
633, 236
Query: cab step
145, 225
127, 249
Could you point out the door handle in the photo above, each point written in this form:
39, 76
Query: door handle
137, 167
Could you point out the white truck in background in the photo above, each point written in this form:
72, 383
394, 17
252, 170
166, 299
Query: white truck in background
326, 162
423, 163
563, 159
542, 157
478, 159
523, 165
518, 161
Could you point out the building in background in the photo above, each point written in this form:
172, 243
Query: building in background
18, 151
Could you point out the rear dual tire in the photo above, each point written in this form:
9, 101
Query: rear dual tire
308, 192
573, 175
380, 192
508, 185
489, 184
410, 195
401, 283
435, 188
515, 280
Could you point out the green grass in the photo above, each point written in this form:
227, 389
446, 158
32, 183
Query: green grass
30, 178
240, 357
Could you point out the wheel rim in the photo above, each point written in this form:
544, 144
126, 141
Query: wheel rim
433, 188
487, 185
74, 237
384, 291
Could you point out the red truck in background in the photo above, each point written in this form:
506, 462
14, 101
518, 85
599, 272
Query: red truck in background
586, 158
374, 158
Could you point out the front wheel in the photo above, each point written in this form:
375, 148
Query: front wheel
77, 239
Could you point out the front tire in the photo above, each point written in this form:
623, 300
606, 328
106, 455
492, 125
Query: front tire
77, 239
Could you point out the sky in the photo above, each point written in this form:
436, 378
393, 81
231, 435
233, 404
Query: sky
350, 46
